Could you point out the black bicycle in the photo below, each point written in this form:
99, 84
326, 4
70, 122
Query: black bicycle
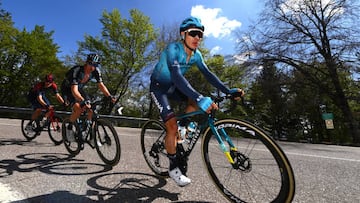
245, 163
52, 125
101, 135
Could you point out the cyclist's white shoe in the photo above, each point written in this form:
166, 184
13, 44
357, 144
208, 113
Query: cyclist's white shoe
92, 143
98, 143
178, 177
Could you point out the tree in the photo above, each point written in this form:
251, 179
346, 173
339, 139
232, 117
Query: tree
124, 47
165, 35
7, 54
270, 97
25, 58
308, 35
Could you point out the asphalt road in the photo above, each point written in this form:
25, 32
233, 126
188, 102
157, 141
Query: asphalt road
38, 171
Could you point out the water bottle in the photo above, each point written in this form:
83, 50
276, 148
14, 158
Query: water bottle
43, 122
191, 128
81, 127
182, 131
87, 128
80, 124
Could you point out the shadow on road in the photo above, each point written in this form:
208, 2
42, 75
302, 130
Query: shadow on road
23, 142
115, 188
47, 163
129, 187
57, 197
106, 187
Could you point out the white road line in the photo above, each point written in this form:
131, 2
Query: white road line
288, 153
7, 195
323, 157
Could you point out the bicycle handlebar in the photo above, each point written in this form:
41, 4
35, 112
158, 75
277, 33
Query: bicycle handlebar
232, 97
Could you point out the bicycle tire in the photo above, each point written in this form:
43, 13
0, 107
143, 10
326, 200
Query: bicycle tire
72, 146
29, 134
54, 130
107, 142
152, 137
255, 179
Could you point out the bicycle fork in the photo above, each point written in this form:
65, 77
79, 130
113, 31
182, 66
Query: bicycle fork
218, 135
237, 159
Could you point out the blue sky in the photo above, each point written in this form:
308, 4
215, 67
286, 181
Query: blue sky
71, 20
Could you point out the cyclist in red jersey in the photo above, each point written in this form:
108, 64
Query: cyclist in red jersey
37, 96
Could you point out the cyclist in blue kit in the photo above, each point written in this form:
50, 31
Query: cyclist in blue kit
168, 82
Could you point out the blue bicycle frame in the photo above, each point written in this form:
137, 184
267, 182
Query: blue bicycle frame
218, 134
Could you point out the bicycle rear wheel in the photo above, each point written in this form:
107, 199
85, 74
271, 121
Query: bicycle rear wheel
152, 138
107, 142
54, 130
71, 141
261, 171
29, 131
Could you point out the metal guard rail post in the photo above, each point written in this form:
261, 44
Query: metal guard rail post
19, 110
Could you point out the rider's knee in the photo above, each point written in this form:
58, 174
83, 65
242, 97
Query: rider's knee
171, 126
77, 108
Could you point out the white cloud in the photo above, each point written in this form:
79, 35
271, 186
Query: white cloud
215, 50
215, 25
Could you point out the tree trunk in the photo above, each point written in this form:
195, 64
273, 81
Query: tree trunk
353, 124
342, 102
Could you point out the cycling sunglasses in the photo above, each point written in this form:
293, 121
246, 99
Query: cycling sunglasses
194, 33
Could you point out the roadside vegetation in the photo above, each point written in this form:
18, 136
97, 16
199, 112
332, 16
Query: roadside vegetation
300, 66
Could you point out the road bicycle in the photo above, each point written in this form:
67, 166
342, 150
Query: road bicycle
52, 125
100, 135
242, 160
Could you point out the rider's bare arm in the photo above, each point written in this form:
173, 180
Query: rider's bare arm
105, 91
41, 101
76, 93
59, 98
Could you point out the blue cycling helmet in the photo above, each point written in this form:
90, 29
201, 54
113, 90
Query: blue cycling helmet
191, 22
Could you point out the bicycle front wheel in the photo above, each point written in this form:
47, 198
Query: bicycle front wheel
29, 130
71, 141
54, 130
260, 171
152, 141
107, 142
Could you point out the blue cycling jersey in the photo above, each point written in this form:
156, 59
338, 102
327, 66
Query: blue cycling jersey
172, 66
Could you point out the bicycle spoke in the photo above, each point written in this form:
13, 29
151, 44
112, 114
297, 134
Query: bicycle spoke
258, 174
29, 129
71, 142
54, 130
107, 143
153, 147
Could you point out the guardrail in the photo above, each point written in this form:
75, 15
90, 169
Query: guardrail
120, 119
